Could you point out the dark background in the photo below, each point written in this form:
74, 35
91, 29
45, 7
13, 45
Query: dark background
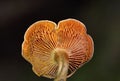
101, 17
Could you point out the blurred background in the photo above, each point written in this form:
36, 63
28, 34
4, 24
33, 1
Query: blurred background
101, 17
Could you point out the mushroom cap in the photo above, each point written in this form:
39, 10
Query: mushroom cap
43, 37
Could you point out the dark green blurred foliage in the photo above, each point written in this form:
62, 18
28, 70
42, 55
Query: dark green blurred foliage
101, 17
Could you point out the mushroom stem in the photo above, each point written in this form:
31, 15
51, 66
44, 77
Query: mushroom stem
61, 57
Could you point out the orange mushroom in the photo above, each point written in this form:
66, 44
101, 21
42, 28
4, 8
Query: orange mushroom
57, 51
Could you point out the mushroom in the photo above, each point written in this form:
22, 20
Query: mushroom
57, 51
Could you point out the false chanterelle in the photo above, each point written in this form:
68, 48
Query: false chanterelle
57, 51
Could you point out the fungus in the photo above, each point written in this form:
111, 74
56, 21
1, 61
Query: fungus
57, 51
